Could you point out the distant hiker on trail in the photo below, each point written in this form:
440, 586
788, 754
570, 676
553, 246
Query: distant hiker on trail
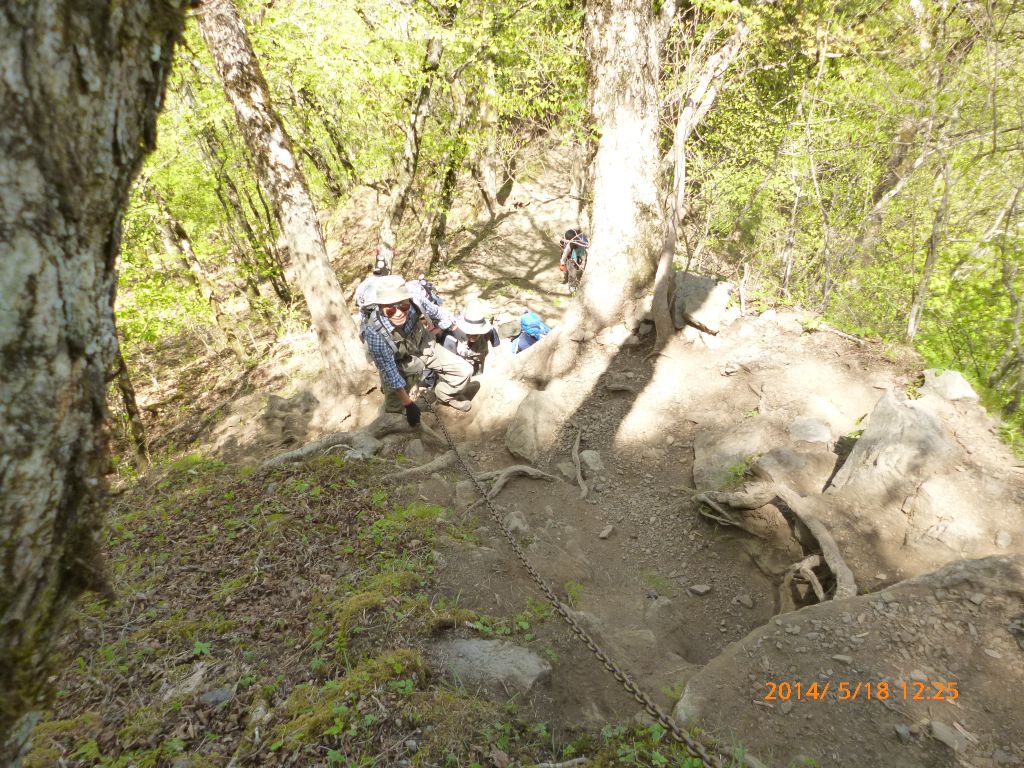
573, 261
480, 337
364, 293
398, 331
532, 330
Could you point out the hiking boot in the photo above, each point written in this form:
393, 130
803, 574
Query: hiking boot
459, 405
470, 391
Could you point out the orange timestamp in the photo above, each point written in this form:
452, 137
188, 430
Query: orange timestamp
848, 690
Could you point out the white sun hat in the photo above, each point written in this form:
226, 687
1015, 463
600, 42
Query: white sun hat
390, 289
473, 322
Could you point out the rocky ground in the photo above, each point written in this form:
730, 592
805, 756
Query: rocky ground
689, 607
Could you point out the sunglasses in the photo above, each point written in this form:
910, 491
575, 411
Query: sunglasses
393, 309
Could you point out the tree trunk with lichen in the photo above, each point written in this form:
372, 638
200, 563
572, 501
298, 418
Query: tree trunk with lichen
79, 92
622, 49
281, 177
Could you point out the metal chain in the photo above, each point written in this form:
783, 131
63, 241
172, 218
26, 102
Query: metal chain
693, 746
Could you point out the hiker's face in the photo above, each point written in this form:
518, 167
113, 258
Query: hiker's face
472, 338
397, 313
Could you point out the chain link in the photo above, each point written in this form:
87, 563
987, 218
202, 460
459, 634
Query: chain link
695, 748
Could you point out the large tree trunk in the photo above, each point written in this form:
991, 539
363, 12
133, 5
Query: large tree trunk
79, 92
281, 177
622, 49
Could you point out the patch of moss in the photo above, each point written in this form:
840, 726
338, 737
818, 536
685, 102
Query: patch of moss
346, 614
311, 711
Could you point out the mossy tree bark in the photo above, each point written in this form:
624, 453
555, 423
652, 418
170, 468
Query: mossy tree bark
623, 52
281, 177
80, 91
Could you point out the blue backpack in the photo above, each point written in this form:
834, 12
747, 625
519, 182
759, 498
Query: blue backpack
531, 324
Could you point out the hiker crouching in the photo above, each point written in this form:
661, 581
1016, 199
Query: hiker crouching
398, 332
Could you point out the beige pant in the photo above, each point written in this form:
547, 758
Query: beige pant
453, 374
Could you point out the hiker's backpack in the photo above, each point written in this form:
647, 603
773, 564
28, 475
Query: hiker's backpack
431, 292
580, 244
531, 324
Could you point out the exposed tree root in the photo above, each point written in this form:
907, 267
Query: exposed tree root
845, 584
502, 476
757, 495
443, 461
383, 425
584, 490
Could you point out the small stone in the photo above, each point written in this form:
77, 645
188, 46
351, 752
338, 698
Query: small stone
993, 653
951, 737
606, 532
843, 658
977, 598
216, 696
793, 629
1004, 539
465, 493
745, 600
700, 589
903, 732
412, 745
787, 707
918, 676
669, 440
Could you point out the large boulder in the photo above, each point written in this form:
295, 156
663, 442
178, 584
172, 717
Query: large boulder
903, 444
950, 385
955, 626
701, 302
535, 426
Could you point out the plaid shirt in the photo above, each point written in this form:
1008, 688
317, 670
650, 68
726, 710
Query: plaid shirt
379, 344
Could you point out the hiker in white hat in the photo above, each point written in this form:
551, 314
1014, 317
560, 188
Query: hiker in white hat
480, 337
398, 331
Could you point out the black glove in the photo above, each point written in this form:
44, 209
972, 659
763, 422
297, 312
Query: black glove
412, 414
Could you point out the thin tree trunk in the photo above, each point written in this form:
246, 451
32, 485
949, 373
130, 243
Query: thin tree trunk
698, 101
80, 92
281, 176
934, 241
140, 447
179, 246
401, 189
486, 163
263, 249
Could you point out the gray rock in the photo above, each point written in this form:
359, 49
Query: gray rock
364, 445
591, 464
465, 493
700, 302
805, 471
950, 385
516, 523
494, 664
606, 532
901, 444
699, 589
948, 735
745, 600
567, 469
415, 452
810, 430
535, 425
843, 658
903, 732
217, 696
